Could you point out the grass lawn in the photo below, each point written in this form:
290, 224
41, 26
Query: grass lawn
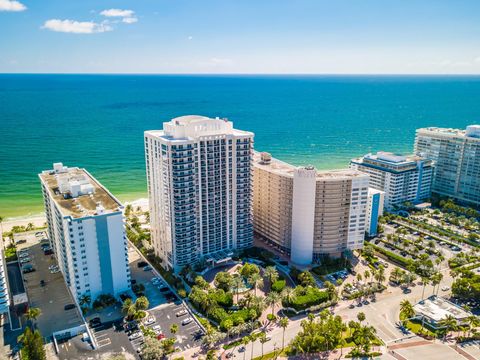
416, 327
274, 354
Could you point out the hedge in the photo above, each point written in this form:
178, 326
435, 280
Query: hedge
279, 285
313, 296
400, 260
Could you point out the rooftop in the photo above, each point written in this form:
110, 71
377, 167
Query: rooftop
268, 163
471, 131
190, 127
77, 193
437, 308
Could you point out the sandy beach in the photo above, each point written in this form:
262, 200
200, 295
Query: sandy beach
39, 220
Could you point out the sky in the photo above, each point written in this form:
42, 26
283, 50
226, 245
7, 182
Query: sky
240, 37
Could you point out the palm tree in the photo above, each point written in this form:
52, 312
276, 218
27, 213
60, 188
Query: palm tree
238, 284
174, 329
380, 275
84, 299
435, 280
142, 303
245, 342
271, 274
272, 299
397, 273
263, 340
449, 323
406, 308
288, 294
255, 280
128, 308
283, 324
473, 321
32, 315
361, 317
424, 283
366, 275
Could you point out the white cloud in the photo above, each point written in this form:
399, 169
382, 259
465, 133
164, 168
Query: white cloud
76, 27
127, 15
477, 59
129, 20
190, 38
118, 13
11, 5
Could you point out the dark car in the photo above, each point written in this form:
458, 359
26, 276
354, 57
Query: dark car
95, 322
133, 281
142, 264
27, 268
69, 307
45, 246
48, 251
42, 282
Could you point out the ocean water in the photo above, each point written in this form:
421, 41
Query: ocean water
97, 121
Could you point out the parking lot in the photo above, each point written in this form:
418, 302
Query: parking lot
53, 295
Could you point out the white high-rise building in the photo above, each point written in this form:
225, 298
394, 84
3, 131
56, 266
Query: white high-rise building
456, 154
86, 231
4, 294
308, 213
402, 178
198, 175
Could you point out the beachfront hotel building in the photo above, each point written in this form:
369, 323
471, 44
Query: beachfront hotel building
376, 199
4, 294
308, 213
199, 186
457, 161
402, 178
86, 231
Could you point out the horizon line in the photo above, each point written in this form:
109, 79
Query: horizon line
237, 74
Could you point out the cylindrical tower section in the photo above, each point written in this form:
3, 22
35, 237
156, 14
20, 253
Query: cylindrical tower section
303, 215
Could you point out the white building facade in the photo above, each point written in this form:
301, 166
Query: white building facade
86, 231
199, 186
4, 293
457, 161
376, 199
402, 178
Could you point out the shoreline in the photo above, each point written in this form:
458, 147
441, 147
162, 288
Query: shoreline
39, 219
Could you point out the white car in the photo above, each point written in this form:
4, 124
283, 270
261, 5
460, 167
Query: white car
445, 288
149, 320
52, 267
54, 271
23, 254
157, 329
24, 260
187, 321
156, 280
135, 335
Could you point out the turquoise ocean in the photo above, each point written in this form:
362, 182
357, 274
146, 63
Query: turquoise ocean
97, 121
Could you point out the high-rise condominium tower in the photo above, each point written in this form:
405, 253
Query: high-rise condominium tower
308, 213
198, 175
402, 178
457, 161
86, 231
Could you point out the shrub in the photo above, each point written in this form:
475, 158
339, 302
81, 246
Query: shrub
182, 293
307, 297
224, 299
279, 285
271, 317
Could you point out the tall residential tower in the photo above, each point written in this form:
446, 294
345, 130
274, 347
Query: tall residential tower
457, 161
403, 178
86, 231
308, 213
198, 175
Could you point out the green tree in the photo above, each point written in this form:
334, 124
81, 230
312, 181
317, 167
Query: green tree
361, 317
32, 345
128, 308
255, 280
449, 323
248, 269
272, 299
263, 339
245, 342
406, 309
271, 274
33, 314
152, 349
174, 329
142, 303
306, 279
283, 324
224, 280
238, 284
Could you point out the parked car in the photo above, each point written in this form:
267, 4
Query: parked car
69, 307
157, 329
54, 271
445, 288
48, 252
187, 321
27, 268
42, 283
142, 264
181, 313
22, 254
95, 322
160, 336
147, 268
149, 320
135, 335
24, 260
